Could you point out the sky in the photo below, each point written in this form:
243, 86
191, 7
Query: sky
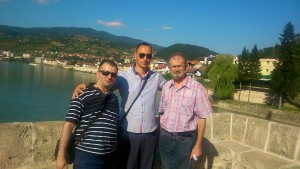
224, 26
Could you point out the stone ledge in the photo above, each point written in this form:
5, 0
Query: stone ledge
229, 154
262, 160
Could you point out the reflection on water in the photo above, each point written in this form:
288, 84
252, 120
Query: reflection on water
36, 93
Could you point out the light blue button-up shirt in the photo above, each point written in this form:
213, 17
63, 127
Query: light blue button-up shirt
141, 117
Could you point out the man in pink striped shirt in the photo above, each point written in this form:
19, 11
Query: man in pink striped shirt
183, 108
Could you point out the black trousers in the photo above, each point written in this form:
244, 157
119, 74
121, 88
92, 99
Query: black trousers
136, 150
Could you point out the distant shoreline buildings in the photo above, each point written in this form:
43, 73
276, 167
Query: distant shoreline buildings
195, 67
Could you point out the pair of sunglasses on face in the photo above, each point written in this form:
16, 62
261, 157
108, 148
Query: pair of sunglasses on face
142, 55
106, 73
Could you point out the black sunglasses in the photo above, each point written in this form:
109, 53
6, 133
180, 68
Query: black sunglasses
142, 55
106, 73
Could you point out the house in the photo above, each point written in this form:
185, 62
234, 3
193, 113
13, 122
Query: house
267, 66
194, 64
126, 66
26, 55
207, 60
39, 60
49, 61
159, 66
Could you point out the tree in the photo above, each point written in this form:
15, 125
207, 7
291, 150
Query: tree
249, 68
243, 68
222, 74
285, 80
254, 68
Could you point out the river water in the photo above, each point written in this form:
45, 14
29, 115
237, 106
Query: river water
39, 93
36, 93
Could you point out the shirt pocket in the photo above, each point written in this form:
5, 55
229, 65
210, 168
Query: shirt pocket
187, 107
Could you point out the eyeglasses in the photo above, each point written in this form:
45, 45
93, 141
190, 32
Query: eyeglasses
106, 73
177, 66
142, 55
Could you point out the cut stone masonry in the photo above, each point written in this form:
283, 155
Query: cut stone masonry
231, 142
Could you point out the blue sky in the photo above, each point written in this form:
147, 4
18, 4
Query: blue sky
224, 26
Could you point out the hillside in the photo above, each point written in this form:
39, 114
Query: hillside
190, 51
83, 40
58, 33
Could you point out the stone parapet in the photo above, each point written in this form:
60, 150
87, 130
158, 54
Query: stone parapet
249, 142
261, 111
231, 142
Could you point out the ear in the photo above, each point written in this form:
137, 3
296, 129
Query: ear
135, 55
97, 74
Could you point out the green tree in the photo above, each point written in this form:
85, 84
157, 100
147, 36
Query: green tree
243, 69
254, 68
222, 74
285, 80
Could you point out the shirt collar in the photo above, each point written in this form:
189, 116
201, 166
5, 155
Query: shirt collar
137, 73
187, 83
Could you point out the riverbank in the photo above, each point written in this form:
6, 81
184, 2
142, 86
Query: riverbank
82, 69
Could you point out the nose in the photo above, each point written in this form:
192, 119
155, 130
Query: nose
109, 76
145, 58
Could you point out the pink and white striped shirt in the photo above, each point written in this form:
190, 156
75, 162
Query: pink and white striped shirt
181, 108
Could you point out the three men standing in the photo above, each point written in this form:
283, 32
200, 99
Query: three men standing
183, 109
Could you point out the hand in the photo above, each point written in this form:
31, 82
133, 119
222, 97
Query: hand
61, 163
196, 153
78, 90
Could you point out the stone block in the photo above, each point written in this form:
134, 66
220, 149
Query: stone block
208, 128
291, 166
15, 145
221, 126
298, 148
46, 137
283, 140
212, 154
237, 149
239, 124
262, 160
256, 133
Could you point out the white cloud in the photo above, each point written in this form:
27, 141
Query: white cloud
167, 27
111, 23
45, 1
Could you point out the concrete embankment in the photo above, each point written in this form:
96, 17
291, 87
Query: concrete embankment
231, 141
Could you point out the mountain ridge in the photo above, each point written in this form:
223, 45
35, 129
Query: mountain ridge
67, 39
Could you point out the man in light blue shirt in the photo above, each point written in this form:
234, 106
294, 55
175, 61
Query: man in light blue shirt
139, 127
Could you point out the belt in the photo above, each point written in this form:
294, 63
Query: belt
182, 134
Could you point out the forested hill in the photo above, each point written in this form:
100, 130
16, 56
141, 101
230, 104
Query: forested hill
83, 40
59, 32
190, 51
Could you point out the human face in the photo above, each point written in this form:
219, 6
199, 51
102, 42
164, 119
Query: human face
177, 67
143, 62
106, 75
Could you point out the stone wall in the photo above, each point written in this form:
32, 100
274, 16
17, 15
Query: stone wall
261, 111
231, 141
